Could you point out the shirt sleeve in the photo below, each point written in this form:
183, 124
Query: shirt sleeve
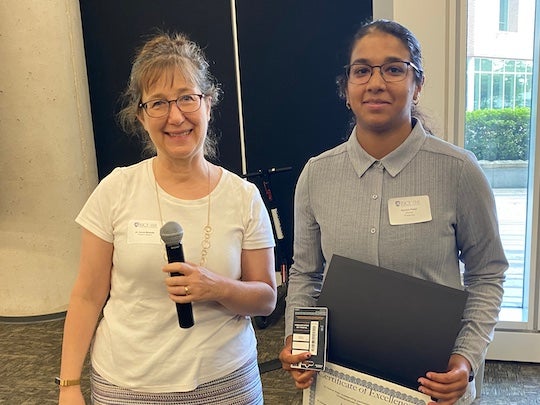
98, 212
481, 251
306, 273
258, 233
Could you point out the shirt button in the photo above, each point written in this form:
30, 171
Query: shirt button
373, 230
374, 196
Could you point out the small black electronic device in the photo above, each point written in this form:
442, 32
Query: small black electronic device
171, 233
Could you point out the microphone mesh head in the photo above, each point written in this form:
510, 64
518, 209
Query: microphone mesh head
171, 233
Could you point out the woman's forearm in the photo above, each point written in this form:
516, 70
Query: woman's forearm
79, 327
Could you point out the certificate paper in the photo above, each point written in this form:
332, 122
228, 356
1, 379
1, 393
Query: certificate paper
340, 385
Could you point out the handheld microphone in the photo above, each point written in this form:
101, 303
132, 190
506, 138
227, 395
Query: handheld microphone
171, 233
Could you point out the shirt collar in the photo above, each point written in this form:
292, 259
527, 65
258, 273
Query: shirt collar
395, 161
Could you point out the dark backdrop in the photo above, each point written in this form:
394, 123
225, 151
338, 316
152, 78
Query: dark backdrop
112, 30
290, 54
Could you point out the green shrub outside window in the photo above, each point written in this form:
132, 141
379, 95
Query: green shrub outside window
498, 134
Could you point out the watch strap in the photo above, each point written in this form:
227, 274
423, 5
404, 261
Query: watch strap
66, 383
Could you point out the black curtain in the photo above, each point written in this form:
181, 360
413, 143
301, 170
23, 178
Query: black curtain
112, 30
290, 53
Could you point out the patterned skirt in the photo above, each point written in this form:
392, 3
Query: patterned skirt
241, 387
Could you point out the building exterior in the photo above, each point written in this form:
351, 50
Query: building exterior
499, 53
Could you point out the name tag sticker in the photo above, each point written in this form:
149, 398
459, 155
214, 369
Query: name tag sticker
141, 231
409, 210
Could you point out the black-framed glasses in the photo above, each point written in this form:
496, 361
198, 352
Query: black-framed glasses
159, 108
396, 71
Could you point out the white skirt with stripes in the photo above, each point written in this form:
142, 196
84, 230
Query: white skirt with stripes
241, 387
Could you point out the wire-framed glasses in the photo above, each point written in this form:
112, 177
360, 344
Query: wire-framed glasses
396, 71
159, 108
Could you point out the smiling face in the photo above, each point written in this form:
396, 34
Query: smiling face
381, 107
178, 135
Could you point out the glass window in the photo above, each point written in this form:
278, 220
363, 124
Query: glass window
509, 91
508, 15
510, 66
502, 78
501, 83
498, 91
503, 15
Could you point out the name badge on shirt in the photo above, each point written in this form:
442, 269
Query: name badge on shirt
142, 231
409, 210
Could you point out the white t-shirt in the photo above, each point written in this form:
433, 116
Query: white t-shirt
138, 343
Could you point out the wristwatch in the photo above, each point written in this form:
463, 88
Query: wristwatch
66, 383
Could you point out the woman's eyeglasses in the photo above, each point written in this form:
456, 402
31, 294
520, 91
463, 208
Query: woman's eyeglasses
360, 73
159, 108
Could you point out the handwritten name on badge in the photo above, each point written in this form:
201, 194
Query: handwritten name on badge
409, 210
141, 231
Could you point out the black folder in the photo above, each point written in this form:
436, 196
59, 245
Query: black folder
388, 324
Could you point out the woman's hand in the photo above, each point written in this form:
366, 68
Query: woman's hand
71, 396
302, 378
253, 295
195, 284
450, 386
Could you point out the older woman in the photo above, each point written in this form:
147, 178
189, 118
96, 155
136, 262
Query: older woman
140, 354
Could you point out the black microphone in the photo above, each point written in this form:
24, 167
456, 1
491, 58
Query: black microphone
171, 233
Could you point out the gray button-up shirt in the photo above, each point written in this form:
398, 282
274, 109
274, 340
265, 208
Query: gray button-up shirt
341, 207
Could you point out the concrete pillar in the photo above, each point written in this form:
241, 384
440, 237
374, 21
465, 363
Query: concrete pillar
47, 155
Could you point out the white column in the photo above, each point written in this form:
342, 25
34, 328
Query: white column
440, 26
47, 155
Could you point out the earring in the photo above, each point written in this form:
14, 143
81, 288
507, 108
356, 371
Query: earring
348, 105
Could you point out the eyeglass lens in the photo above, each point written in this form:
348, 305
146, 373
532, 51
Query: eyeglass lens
390, 72
160, 108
